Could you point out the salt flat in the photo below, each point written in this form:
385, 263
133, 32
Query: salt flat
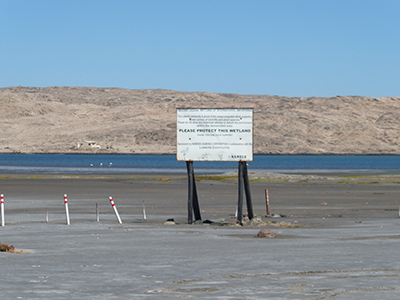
343, 243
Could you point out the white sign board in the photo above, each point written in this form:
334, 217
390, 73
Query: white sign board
215, 134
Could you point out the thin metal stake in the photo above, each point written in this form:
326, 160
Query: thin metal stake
144, 212
97, 212
267, 202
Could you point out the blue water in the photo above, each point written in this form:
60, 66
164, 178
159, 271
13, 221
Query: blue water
109, 164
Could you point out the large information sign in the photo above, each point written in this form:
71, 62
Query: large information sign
215, 134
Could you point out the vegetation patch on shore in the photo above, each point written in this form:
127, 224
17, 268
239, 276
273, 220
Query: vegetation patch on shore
7, 248
215, 177
10, 249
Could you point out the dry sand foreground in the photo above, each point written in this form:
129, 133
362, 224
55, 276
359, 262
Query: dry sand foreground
337, 241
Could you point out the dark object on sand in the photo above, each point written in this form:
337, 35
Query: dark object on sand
7, 248
265, 233
276, 216
220, 222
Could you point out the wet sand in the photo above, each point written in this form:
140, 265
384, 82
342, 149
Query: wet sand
341, 242
165, 197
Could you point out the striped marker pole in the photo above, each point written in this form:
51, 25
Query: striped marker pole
3, 222
115, 210
66, 208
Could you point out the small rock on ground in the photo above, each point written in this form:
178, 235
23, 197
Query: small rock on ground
265, 233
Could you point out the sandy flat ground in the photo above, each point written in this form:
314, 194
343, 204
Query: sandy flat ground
336, 240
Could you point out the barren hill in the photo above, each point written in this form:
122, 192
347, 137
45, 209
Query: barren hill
65, 119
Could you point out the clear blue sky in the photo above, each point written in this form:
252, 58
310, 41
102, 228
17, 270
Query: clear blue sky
298, 48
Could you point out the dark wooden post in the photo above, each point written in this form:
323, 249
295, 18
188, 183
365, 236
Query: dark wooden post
247, 191
193, 201
189, 166
196, 207
240, 193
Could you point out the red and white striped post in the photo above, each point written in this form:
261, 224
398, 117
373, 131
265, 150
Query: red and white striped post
3, 222
66, 209
115, 210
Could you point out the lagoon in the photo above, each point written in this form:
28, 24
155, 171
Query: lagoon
125, 164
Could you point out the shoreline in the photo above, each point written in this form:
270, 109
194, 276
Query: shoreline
16, 152
215, 175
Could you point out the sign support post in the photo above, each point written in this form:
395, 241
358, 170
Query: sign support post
247, 191
189, 165
193, 202
243, 182
240, 193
